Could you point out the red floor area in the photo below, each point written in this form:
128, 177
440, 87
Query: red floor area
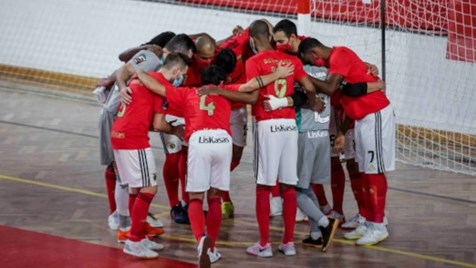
20, 248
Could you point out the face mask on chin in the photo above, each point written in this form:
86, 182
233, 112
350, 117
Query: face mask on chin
320, 62
284, 47
253, 47
178, 81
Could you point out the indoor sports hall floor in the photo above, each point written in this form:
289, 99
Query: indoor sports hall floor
53, 206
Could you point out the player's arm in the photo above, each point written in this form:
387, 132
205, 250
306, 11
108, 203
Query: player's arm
151, 83
248, 98
360, 89
329, 86
282, 71
160, 125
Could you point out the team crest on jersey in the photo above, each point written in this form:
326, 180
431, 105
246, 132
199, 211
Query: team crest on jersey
139, 59
155, 176
371, 167
172, 145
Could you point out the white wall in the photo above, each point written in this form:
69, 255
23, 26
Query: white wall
85, 36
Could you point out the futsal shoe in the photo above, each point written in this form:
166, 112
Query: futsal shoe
123, 235
113, 221
315, 243
288, 249
153, 221
259, 251
152, 231
227, 210
375, 234
139, 250
353, 222
214, 255
202, 250
328, 233
152, 245
357, 233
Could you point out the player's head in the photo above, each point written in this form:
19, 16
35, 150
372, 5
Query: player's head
286, 37
181, 43
226, 59
213, 74
259, 33
161, 39
175, 66
313, 52
205, 49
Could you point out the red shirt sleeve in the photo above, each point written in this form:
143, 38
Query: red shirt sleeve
340, 63
159, 104
175, 97
298, 70
252, 69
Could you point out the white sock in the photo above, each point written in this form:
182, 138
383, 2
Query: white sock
323, 221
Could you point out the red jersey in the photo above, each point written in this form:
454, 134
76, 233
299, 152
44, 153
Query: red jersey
345, 62
194, 73
264, 63
201, 112
131, 128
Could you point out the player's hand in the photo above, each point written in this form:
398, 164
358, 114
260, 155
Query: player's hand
373, 70
126, 97
284, 69
157, 50
339, 143
207, 90
238, 30
272, 103
381, 85
179, 131
319, 105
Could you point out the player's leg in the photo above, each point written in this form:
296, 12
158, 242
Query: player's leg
121, 196
183, 175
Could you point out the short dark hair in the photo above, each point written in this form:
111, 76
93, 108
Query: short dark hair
308, 44
177, 58
161, 39
259, 29
226, 59
213, 74
181, 43
286, 26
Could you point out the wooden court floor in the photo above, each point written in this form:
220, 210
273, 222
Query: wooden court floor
51, 183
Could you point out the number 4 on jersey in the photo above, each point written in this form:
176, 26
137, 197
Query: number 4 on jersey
206, 107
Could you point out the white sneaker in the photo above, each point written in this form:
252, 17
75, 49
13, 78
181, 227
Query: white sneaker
336, 215
257, 250
385, 220
357, 233
373, 235
154, 222
326, 209
288, 249
152, 245
137, 249
353, 222
214, 255
113, 221
202, 250
276, 206
300, 216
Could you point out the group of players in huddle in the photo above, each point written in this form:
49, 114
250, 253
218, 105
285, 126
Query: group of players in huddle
310, 104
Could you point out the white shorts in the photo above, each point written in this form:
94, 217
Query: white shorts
375, 142
239, 126
209, 159
171, 143
276, 148
136, 167
349, 147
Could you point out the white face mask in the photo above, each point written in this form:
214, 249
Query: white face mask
252, 46
178, 81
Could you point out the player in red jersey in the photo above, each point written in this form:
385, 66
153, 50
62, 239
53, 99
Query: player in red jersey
208, 133
134, 158
374, 131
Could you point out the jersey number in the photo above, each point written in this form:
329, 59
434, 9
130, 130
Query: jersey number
206, 107
122, 110
280, 87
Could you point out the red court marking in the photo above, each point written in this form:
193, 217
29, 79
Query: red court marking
21, 248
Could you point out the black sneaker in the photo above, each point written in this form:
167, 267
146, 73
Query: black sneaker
309, 242
182, 216
174, 211
328, 233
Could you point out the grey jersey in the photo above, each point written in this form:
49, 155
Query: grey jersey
144, 60
307, 119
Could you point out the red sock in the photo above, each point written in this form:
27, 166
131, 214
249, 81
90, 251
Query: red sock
214, 219
366, 212
378, 195
320, 194
356, 185
139, 214
197, 219
262, 212
110, 176
183, 173
289, 213
225, 196
275, 191
132, 200
337, 185
171, 177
